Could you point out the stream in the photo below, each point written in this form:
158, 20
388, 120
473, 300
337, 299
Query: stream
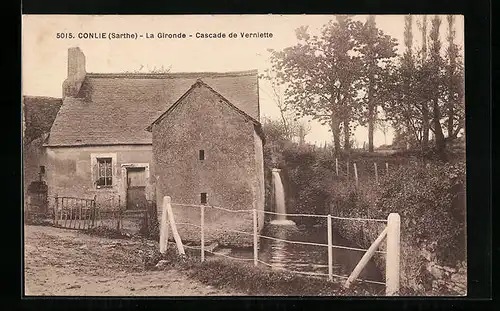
309, 258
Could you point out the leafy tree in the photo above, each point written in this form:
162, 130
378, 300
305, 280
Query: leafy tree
383, 125
278, 135
290, 125
275, 132
321, 73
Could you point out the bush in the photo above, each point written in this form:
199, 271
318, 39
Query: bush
431, 202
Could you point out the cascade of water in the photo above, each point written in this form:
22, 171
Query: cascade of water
279, 199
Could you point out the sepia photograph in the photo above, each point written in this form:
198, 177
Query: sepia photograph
244, 155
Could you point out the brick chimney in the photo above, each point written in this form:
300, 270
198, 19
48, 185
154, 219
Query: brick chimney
76, 62
76, 72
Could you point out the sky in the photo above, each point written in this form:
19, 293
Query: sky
44, 56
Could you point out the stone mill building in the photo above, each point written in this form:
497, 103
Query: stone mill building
140, 136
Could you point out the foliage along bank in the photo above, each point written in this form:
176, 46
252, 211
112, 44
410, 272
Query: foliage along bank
429, 197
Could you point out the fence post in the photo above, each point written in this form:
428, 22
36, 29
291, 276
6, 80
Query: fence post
376, 172
70, 212
65, 213
61, 215
68, 201
365, 259
330, 249
392, 263
80, 217
72, 223
356, 174
85, 216
55, 210
255, 255
337, 166
386, 168
202, 233
94, 212
171, 220
347, 171
164, 227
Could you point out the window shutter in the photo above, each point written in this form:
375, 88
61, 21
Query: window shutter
95, 175
102, 169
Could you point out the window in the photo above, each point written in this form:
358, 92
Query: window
104, 172
202, 154
203, 198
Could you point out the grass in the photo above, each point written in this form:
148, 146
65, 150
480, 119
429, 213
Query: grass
257, 281
106, 232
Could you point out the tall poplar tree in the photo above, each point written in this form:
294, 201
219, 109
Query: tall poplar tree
377, 50
436, 65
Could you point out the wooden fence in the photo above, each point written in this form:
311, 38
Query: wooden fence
75, 213
80, 213
370, 171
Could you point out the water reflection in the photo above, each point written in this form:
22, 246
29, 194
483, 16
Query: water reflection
311, 258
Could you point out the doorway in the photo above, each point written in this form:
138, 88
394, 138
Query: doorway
136, 188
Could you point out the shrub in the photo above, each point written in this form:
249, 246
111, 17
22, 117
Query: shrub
431, 202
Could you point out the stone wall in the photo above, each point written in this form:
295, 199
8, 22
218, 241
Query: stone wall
444, 279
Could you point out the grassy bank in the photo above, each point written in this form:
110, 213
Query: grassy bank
256, 281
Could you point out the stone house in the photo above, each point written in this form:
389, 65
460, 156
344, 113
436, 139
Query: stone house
99, 143
206, 150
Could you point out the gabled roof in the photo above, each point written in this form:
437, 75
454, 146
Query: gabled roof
115, 109
200, 83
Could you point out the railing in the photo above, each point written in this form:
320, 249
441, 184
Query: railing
391, 232
82, 213
74, 213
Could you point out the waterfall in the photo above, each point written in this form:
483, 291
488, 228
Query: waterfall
279, 195
279, 200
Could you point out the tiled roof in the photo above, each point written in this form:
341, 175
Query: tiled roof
117, 108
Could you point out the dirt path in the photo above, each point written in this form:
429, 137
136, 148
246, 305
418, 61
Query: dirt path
62, 262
